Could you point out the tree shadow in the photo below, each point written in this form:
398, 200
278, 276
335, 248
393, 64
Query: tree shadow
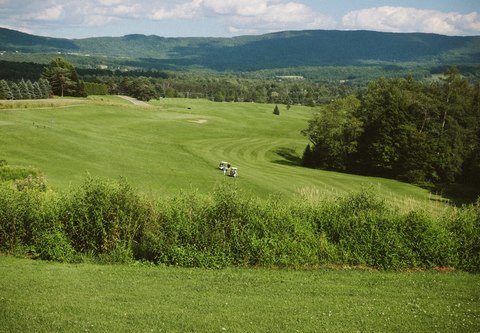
454, 194
289, 157
457, 194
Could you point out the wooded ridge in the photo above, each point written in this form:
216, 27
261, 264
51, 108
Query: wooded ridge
274, 50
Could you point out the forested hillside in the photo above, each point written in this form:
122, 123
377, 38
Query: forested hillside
248, 53
400, 128
11, 40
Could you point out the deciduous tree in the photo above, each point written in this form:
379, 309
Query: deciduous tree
333, 132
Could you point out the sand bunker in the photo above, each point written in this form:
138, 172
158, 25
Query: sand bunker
199, 121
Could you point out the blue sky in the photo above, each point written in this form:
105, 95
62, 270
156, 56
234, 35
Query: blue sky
225, 18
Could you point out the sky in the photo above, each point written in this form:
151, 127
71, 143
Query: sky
227, 18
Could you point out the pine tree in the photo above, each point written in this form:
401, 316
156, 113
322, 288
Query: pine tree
307, 158
5, 92
45, 88
37, 91
63, 78
15, 89
24, 93
276, 111
30, 89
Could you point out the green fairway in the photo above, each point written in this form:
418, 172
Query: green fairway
38, 296
176, 144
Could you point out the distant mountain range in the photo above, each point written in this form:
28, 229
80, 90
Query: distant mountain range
248, 53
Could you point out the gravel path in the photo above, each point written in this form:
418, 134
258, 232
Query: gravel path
134, 101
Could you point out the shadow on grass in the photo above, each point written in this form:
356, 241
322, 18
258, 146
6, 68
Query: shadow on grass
457, 194
289, 157
454, 194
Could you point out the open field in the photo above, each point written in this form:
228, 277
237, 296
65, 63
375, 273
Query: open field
177, 144
38, 296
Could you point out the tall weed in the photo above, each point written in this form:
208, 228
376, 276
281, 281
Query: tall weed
463, 226
112, 223
100, 214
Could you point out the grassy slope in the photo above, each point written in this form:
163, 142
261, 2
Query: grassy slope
161, 150
40, 296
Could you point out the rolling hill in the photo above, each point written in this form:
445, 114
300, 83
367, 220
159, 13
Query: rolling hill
249, 53
176, 144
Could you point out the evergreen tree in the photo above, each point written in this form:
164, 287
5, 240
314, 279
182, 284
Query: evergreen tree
81, 91
24, 93
276, 110
37, 91
16, 93
307, 158
30, 89
63, 78
45, 88
5, 92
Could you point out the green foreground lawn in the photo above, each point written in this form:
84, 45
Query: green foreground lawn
38, 296
176, 144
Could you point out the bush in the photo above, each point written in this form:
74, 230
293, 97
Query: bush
464, 228
100, 214
38, 183
20, 216
54, 245
111, 223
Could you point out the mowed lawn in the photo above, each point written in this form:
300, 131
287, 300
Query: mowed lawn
176, 144
38, 296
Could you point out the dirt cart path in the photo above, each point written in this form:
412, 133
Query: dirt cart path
134, 101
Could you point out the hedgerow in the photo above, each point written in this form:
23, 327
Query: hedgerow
109, 221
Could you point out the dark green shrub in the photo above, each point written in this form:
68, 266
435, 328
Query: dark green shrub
280, 237
464, 228
365, 232
20, 216
121, 254
174, 236
427, 240
100, 214
11, 218
109, 222
54, 245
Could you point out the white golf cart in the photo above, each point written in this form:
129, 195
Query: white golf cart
232, 172
223, 165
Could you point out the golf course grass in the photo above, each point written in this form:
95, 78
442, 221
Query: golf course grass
175, 145
38, 296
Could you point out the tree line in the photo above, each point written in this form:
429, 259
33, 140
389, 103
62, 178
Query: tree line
64, 80
402, 128
226, 89
25, 89
59, 78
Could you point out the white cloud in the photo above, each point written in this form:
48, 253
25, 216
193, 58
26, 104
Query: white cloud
237, 7
108, 3
258, 16
247, 16
236, 16
52, 13
402, 19
183, 10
